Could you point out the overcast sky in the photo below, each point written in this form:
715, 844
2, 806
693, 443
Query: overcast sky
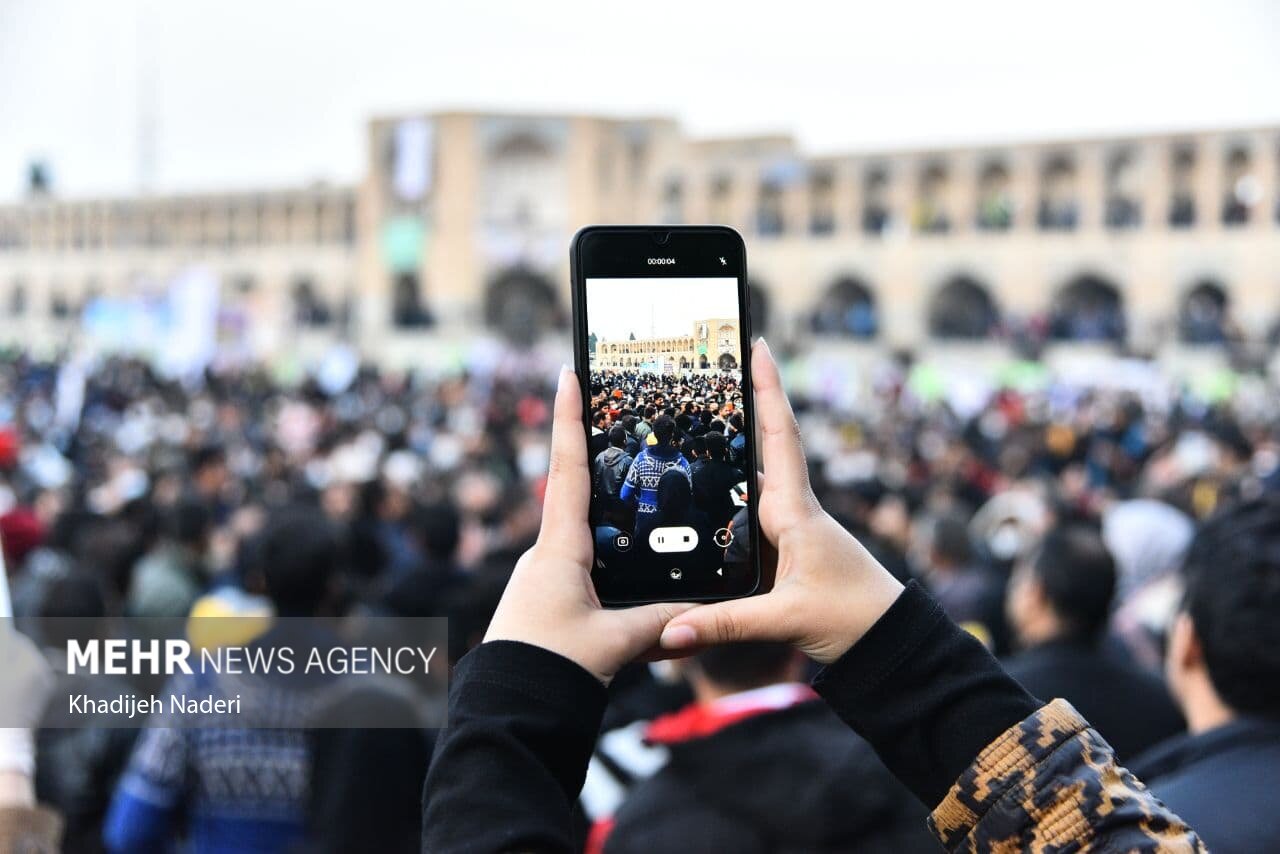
244, 93
657, 308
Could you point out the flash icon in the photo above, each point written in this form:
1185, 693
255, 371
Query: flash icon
723, 263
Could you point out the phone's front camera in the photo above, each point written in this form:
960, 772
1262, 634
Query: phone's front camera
661, 237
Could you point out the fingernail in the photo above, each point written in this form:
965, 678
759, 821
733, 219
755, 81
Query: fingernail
565, 373
678, 637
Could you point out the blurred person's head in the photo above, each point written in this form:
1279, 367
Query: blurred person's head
72, 608
736, 423
340, 500
438, 529
298, 562
209, 471
1064, 590
189, 524
21, 533
471, 606
1149, 540
736, 667
664, 428
1234, 447
618, 436
1223, 658
950, 547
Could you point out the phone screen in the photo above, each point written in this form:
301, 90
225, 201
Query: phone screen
670, 440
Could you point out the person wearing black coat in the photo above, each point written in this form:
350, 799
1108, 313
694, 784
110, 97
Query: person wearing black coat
1223, 663
599, 434
714, 478
1058, 603
758, 764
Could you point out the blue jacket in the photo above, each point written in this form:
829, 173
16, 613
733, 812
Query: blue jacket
641, 486
1222, 782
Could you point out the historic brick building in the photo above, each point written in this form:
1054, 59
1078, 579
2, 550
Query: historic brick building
713, 345
1166, 242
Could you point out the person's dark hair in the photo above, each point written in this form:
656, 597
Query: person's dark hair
717, 445
189, 522
1078, 577
951, 540
1227, 433
618, 436
683, 422
716, 425
205, 456
599, 417
736, 422
1232, 574
675, 498
649, 412
470, 605
629, 423
742, 666
438, 527
72, 608
664, 428
298, 560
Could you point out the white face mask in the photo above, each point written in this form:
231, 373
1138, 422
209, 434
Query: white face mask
1004, 542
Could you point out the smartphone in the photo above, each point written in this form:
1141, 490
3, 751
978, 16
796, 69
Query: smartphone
662, 346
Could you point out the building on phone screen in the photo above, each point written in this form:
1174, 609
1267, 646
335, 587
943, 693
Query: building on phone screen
713, 346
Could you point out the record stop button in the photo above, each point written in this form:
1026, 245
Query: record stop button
674, 539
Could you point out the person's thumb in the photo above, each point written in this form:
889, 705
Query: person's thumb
644, 623
755, 618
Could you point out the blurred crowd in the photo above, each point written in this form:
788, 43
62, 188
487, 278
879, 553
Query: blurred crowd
1053, 520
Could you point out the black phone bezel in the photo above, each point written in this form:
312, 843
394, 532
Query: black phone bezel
699, 251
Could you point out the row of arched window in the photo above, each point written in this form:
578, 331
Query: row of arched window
1089, 307
523, 304
1057, 203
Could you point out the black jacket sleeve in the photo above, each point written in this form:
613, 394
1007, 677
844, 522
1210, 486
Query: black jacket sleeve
938, 709
506, 772
1003, 772
924, 692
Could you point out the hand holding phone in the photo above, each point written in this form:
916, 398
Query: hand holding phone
549, 601
828, 590
663, 351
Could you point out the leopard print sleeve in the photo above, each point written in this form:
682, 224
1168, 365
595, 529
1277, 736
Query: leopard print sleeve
1051, 784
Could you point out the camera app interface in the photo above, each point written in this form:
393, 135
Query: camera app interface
668, 443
